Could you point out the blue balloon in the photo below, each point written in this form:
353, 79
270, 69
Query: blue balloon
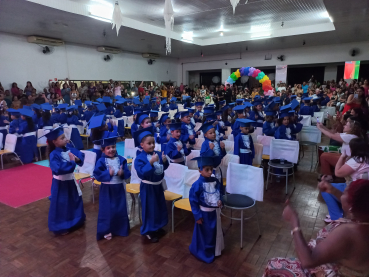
246, 71
241, 71
231, 81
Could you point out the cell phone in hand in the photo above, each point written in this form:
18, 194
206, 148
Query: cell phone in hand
356, 96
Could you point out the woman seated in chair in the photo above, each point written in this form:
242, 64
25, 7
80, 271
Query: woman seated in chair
340, 249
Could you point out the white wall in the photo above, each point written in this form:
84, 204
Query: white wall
293, 56
330, 72
21, 62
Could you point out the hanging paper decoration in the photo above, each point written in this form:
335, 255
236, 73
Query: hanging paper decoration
117, 19
169, 23
234, 4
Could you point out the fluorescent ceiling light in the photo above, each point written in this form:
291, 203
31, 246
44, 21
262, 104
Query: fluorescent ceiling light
257, 36
101, 12
101, 18
187, 36
105, 3
260, 28
221, 34
186, 40
221, 28
330, 18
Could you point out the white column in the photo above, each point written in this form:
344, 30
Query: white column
225, 74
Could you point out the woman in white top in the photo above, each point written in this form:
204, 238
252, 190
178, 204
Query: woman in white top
351, 130
117, 89
352, 167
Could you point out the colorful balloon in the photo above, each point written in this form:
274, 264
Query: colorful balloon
246, 71
237, 73
265, 78
241, 71
256, 73
260, 76
251, 71
233, 76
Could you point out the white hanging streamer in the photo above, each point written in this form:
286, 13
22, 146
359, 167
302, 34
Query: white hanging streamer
117, 19
234, 4
169, 23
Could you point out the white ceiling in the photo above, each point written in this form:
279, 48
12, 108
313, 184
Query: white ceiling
303, 20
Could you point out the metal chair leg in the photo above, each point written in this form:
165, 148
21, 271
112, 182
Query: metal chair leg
39, 150
18, 158
92, 193
293, 176
2, 165
241, 229
266, 185
312, 158
257, 218
173, 217
286, 181
139, 208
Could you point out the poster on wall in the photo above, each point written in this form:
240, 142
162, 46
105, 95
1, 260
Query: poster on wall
281, 74
351, 70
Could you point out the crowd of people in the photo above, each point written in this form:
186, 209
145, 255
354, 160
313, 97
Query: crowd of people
341, 248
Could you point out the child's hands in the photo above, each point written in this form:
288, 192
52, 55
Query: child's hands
71, 157
154, 158
163, 157
121, 172
157, 125
199, 221
111, 171
198, 133
222, 145
191, 137
256, 116
6, 121
211, 145
179, 147
220, 204
225, 137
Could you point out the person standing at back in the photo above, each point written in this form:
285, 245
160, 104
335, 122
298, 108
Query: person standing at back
227, 94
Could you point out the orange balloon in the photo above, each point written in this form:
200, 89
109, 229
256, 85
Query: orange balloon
267, 82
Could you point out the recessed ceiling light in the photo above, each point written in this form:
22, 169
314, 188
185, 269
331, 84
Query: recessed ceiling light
221, 34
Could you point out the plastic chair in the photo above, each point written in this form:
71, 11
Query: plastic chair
318, 117
198, 143
229, 158
9, 148
258, 155
129, 148
243, 195
192, 164
286, 150
265, 141
129, 121
306, 120
229, 146
230, 137
41, 142
310, 136
228, 132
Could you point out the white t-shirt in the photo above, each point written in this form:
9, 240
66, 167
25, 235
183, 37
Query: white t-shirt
117, 91
360, 170
346, 140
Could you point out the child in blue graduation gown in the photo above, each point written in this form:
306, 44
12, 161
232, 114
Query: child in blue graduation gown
128, 110
154, 115
164, 106
111, 170
73, 121
165, 133
134, 126
80, 109
28, 146
205, 200
198, 114
14, 124
211, 148
220, 127
284, 130
62, 116
175, 149
66, 206
306, 109
269, 126
257, 114
143, 121
37, 114
109, 111
119, 114
188, 133
150, 166
4, 121
55, 115
173, 105
191, 113
295, 126
239, 110
45, 121
315, 105
243, 143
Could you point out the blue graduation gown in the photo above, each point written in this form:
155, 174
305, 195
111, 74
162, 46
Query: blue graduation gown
62, 118
28, 146
186, 132
235, 128
75, 135
197, 116
172, 152
269, 128
163, 140
164, 108
3, 124
121, 127
242, 146
295, 128
35, 119
134, 128
259, 120
283, 132
207, 152
145, 108
55, 117
66, 206
154, 208
315, 108
109, 110
13, 126
173, 107
113, 215
204, 235
42, 123
87, 115
128, 110
111, 132
325, 101
306, 110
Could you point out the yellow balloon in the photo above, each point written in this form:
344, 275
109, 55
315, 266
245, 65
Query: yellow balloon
264, 79
237, 73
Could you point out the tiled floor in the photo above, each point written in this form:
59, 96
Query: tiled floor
27, 248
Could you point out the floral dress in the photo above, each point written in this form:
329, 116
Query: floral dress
291, 267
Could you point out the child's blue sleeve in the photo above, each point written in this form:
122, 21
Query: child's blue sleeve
144, 169
101, 172
126, 171
60, 166
194, 198
236, 150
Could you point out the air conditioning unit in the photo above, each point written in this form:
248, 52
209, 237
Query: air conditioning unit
150, 56
45, 41
107, 49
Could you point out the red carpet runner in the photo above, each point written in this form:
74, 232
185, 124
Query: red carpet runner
24, 184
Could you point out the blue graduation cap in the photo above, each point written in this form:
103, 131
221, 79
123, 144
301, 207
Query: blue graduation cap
291, 112
163, 102
99, 100
269, 112
54, 133
222, 102
184, 113
211, 106
293, 96
106, 99
248, 104
96, 121
153, 101
177, 115
101, 107
140, 134
191, 110
294, 104
146, 101
246, 100
107, 141
128, 100
140, 117
199, 104
257, 102
239, 109
204, 161
35, 106
13, 112
154, 113
224, 108
78, 103
95, 103
219, 112
118, 97
175, 126
245, 122
307, 98
46, 107
29, 107
163, 117
277, 100
284, 114
136, 101
137, 111
207, 126
231, 105
120, 102
173, 99
211, 117
270, 106
239, 101
208, 110
257, 97
26, 112
88, 103
62, 106
285, 108
72, 108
